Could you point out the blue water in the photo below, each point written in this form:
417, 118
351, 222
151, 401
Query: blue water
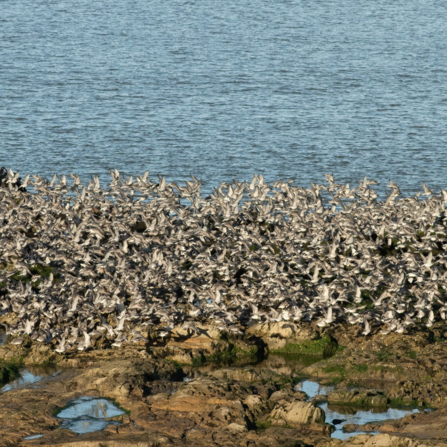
360, 417
87, 414
28, 376
291, 89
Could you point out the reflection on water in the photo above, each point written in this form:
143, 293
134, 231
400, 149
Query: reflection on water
28, 376
91, 407
313, 389
345, 415
341, 415
338, 415
82, 426
87, 414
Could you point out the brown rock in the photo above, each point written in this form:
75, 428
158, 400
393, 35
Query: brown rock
298, 413
370, 398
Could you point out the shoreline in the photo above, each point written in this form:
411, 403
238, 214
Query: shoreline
164, 397
119, 292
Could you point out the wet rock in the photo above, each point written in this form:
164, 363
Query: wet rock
287, 437
365, 398
41, 354
112, 439
279, 365
338, 421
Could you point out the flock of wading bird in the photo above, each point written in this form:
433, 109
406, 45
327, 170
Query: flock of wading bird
140, 256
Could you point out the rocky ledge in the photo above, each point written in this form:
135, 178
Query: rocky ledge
174, 392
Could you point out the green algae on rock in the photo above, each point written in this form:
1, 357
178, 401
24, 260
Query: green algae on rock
325, 346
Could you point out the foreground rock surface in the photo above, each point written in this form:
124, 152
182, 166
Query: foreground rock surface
174, 404
164, 408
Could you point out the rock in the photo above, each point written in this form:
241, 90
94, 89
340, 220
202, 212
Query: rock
366, 398
235, 406
277, 335
384, 440
337, 421
208, 344
358, 440
420, 425
237, 428
246, 374
253, 401
283, 396
298, 413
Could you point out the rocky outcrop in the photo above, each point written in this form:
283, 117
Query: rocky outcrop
248, 375
229, 405
206, 343
389, 358
259, 405
424, 425
297, 413
363, 398
381, 440
431, 392
278, 335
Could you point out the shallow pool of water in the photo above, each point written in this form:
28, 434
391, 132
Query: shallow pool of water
360, 417
89, 414
313, 389
29, 376
86, 425
340, 415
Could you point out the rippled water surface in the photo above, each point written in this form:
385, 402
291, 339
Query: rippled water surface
286, 88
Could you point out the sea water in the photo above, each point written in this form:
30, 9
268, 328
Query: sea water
289, 89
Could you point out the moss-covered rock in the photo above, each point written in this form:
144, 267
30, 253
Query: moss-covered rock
324, 346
